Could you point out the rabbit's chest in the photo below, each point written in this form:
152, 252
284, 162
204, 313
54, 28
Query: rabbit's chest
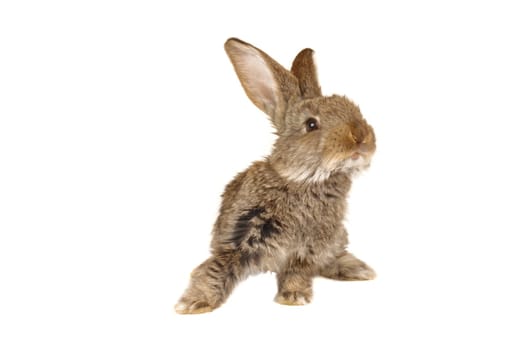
318, 218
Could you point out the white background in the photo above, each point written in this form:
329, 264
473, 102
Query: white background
122, 121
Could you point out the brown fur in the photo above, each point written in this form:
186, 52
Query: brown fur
284, 214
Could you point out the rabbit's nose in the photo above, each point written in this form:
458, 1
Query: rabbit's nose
364, 146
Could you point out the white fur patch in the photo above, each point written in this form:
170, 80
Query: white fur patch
306, 175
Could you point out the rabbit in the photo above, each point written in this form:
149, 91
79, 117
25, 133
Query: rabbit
285, 214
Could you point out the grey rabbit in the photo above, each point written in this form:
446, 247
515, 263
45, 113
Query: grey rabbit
285, 214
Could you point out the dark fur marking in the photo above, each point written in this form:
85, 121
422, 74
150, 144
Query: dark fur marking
217, 262
211, 275
269, 228
214, 269
287, 295
251, 213
243, 225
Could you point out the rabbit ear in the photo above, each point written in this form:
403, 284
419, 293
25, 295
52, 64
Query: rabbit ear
268, 85
303, 68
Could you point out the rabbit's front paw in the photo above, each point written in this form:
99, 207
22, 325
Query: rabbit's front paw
293, 298
364, 273
359, 272
348, 268
193, 307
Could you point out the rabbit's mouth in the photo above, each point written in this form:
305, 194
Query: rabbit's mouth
357, 161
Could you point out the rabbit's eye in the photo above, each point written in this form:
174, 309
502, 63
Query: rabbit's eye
311, 124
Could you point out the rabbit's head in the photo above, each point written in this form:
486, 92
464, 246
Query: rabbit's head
318, 136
